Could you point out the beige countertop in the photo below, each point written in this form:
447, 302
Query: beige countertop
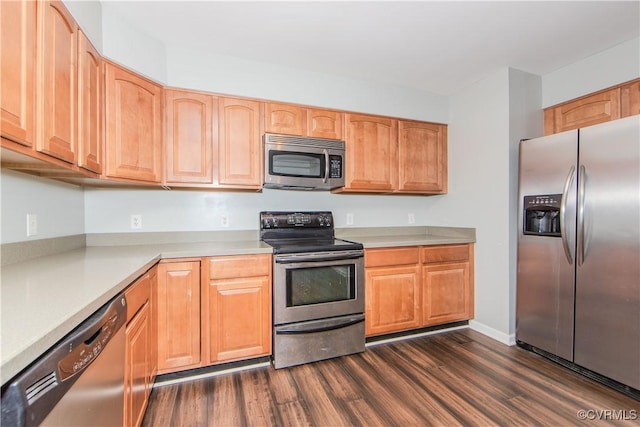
45, 298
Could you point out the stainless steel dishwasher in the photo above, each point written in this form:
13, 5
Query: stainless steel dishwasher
79, 381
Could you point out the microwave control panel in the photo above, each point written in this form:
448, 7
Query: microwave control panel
335, 166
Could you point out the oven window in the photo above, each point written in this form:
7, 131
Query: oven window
291, 163
317, 285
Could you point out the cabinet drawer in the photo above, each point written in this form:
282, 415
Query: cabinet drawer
392, 256
137, 295
229, 267
431, 254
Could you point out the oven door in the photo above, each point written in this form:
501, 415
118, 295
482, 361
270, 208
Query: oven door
317, 285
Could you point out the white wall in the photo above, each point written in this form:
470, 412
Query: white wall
479, 193
59, 207
617, 65
194, 69
88, 14
126, 45
109, 210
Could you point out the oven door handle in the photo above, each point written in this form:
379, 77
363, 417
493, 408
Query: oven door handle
328, 326
316, 257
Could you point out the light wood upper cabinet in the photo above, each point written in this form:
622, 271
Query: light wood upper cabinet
296, 120
422, 157
17, 82
190, 124
236, 307
324, 123
56, 82
630, 99
371, 153
178, 315
241, 127
447, 284
285, 118
133, 126
90, 106
392, 290
603, 106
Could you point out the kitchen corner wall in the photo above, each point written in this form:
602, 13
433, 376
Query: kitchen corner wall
59, 207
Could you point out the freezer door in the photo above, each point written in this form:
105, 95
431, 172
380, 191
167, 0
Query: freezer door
607, 331
546, 273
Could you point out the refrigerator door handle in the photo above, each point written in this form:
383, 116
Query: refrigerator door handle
582, 175
563, 211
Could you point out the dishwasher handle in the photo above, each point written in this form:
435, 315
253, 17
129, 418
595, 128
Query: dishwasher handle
33, 393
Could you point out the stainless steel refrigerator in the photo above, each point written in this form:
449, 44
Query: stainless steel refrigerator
578, 289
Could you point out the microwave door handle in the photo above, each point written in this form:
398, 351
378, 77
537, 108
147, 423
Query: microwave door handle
326, 166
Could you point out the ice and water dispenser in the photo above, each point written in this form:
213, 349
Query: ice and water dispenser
542, 215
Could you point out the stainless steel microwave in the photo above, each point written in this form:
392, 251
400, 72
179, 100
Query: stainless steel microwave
303, 163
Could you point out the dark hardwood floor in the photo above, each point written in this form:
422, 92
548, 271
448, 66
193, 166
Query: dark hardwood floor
454, 378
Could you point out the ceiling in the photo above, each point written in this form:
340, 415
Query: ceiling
439, 47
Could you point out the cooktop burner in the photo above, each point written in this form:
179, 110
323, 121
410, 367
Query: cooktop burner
297, 232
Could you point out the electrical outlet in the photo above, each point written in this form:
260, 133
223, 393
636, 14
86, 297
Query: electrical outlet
32, 225
349, 219
136, 221
411, 218
224, 220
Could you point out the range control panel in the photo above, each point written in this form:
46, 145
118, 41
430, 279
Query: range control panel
273, 220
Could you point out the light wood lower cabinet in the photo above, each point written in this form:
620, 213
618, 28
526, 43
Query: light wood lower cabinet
178, 315
236, 307
413, 287
139, 348
447, 284
392, 290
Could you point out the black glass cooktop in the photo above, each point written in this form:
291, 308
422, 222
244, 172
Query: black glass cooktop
299, 245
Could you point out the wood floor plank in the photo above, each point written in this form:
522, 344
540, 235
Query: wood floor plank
458, 378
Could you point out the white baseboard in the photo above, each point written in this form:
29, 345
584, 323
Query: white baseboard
508, 339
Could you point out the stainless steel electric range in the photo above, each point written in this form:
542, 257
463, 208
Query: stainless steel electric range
318, 288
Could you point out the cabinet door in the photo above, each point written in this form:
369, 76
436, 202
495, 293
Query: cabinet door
178, 315
18, 48
133, 126
137, 385
590, 110
392, 296
90, 106
239, 151
324, 123
422, 157
57, 82
239, 318
188, 138
285, 118
447, 293
371, 151
236, 307
153, 324
630, 99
